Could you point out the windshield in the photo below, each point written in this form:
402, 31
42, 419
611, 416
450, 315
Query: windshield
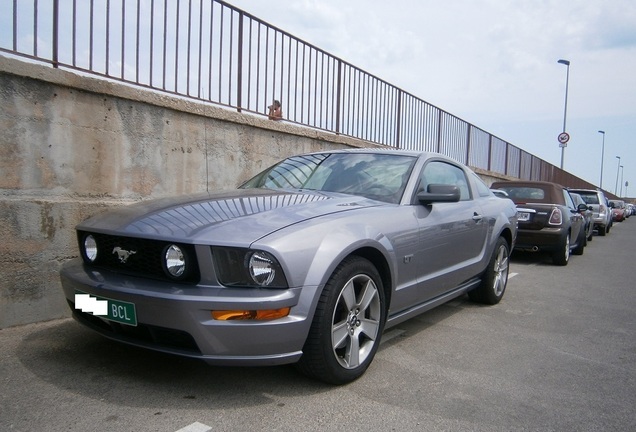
376, 176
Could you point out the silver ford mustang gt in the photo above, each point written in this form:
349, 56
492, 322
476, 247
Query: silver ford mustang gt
306, 263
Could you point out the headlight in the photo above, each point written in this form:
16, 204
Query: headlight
90, 248
175, 262
248, 268
262, 268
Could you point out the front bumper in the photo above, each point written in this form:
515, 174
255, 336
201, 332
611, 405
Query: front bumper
177, 319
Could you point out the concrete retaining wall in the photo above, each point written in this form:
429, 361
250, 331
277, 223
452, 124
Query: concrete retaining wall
73, 145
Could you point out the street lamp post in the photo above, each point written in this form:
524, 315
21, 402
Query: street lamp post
617, 170
602, 156
622, 169
565, 110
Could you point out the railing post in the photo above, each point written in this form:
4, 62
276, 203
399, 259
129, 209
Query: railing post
338, 96
56, 30
398, 121
239, 72
531, 163
489, 152
468, 143
506, 165
439, 130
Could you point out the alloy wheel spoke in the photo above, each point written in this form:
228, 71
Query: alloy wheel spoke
352, 355
369, 294
339, 334
369, 327
349, 295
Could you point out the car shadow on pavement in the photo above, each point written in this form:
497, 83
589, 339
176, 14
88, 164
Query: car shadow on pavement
75, 359
532, 258
70, 357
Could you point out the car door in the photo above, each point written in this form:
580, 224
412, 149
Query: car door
577, 222
451, 235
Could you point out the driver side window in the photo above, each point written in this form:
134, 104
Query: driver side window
438, 172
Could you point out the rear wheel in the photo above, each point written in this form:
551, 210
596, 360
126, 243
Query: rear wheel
347, 326
602, 230
562, 255
495, 279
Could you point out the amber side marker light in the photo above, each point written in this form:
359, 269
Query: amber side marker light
266, 314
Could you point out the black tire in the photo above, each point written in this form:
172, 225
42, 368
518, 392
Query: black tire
495, 278
348, 324
602, 230
590, 236
561, 257
580, 244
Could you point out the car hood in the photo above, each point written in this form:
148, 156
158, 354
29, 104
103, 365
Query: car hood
238, 217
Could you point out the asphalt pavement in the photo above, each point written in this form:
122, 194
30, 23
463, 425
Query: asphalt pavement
557, 354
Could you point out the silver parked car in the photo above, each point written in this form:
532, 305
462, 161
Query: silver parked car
588, 215
307, 262
600, 208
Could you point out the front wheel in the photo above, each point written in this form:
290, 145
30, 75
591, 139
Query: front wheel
582, 241
495, 278
347, 326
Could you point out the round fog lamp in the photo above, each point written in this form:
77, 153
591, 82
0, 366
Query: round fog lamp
262, 268
90, 248
175, 261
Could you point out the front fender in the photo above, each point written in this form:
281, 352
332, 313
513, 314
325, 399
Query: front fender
505, 221
310, 255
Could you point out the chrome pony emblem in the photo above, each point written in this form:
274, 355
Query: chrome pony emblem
123, 254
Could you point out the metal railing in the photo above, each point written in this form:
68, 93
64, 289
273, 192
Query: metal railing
211, 51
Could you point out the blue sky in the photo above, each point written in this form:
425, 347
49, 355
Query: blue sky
494, 63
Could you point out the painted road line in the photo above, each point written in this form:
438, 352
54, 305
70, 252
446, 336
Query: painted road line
196, 427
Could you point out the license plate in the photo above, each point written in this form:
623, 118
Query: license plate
524, 216
112, 310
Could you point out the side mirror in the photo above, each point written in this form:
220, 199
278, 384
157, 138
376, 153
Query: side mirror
582, 208
611, 205
439, 193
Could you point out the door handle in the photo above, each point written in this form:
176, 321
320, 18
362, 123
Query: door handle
477, 217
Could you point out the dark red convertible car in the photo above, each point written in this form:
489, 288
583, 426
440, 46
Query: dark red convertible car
549, 220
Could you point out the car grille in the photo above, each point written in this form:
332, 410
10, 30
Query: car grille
146, 261
142, 334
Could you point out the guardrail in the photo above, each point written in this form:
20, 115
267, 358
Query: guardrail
214, 52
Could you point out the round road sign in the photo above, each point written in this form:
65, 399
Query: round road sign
564, 137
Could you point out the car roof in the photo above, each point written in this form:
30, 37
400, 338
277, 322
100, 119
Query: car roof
552, 191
